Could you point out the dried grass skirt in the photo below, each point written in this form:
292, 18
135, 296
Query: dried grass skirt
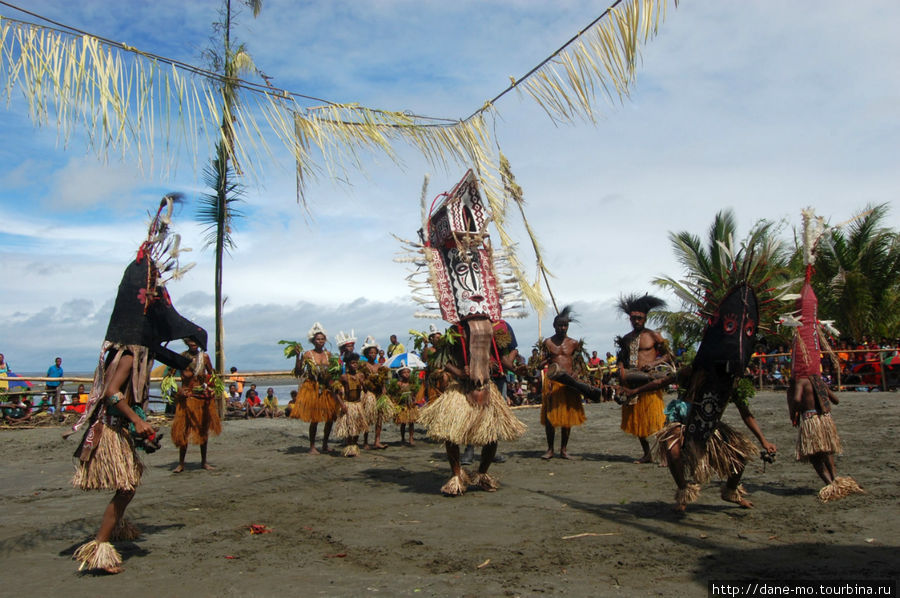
724, 454
195, 419
452, 418
314, 407
561, 405
645, 417
113, 465
817, 434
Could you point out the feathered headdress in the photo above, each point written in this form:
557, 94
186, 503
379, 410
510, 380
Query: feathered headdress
565, 315
342, 338
369, 343
317, 328
639, 303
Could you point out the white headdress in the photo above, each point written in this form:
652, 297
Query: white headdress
369, 343
432, 329
316, 329
404, 366
342, 338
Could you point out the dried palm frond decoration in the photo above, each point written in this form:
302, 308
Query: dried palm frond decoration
129, 101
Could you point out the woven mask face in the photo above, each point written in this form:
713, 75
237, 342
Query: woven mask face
731, 334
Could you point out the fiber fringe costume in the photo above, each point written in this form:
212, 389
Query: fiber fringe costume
196, 412
457, 266
817, 433
142, 319
708, 445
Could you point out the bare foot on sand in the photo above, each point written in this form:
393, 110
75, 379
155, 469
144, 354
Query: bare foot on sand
314, 451
207, 466
547, 455
563, 454
379, 446
643, 460
178, 469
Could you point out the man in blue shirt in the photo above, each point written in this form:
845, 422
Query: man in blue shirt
55, 371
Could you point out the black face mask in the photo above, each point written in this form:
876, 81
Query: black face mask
731, 334
147, 318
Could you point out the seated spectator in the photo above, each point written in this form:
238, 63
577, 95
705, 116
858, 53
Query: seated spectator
253, 405
290, 405
233, 402
18, 409
79, 401
270, 404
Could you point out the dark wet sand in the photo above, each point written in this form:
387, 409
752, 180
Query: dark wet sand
376, 525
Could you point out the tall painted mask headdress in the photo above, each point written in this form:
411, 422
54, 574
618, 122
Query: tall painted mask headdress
459, 275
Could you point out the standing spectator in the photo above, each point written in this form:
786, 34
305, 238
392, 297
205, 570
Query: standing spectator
238, 381
55, 371
4, 370
395, 348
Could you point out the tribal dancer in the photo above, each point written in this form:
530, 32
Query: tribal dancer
458, 264
143, 318
403, 392
642, 353
378, 405
809, 398
353, 421
196, 412
698, 443
561, 402
319, 379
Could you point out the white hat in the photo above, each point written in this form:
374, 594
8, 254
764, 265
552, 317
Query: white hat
369, 343
403, 366
342, 338
432, 329
316, 329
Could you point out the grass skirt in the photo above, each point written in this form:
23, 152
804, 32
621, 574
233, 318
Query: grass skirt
352, 423
817, 434
645, 417
724, 454
407, 415
114, 464
195, 419
452, 418
561, 405
379, 409
313, 407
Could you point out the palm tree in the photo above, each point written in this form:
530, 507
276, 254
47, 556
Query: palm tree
713, 268
857, 276
216, 210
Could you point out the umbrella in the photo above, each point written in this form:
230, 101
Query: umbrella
892, 359
410, 359
17, 380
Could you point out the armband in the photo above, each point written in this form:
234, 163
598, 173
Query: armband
114, 399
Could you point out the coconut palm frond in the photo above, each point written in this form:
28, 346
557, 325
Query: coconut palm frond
602, 57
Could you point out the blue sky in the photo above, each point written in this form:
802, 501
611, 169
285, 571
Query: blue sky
764, 107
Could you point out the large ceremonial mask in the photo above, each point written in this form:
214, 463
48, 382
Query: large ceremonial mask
143, 313
722, 357
461, 258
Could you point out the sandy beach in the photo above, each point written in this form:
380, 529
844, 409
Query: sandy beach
376, 525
